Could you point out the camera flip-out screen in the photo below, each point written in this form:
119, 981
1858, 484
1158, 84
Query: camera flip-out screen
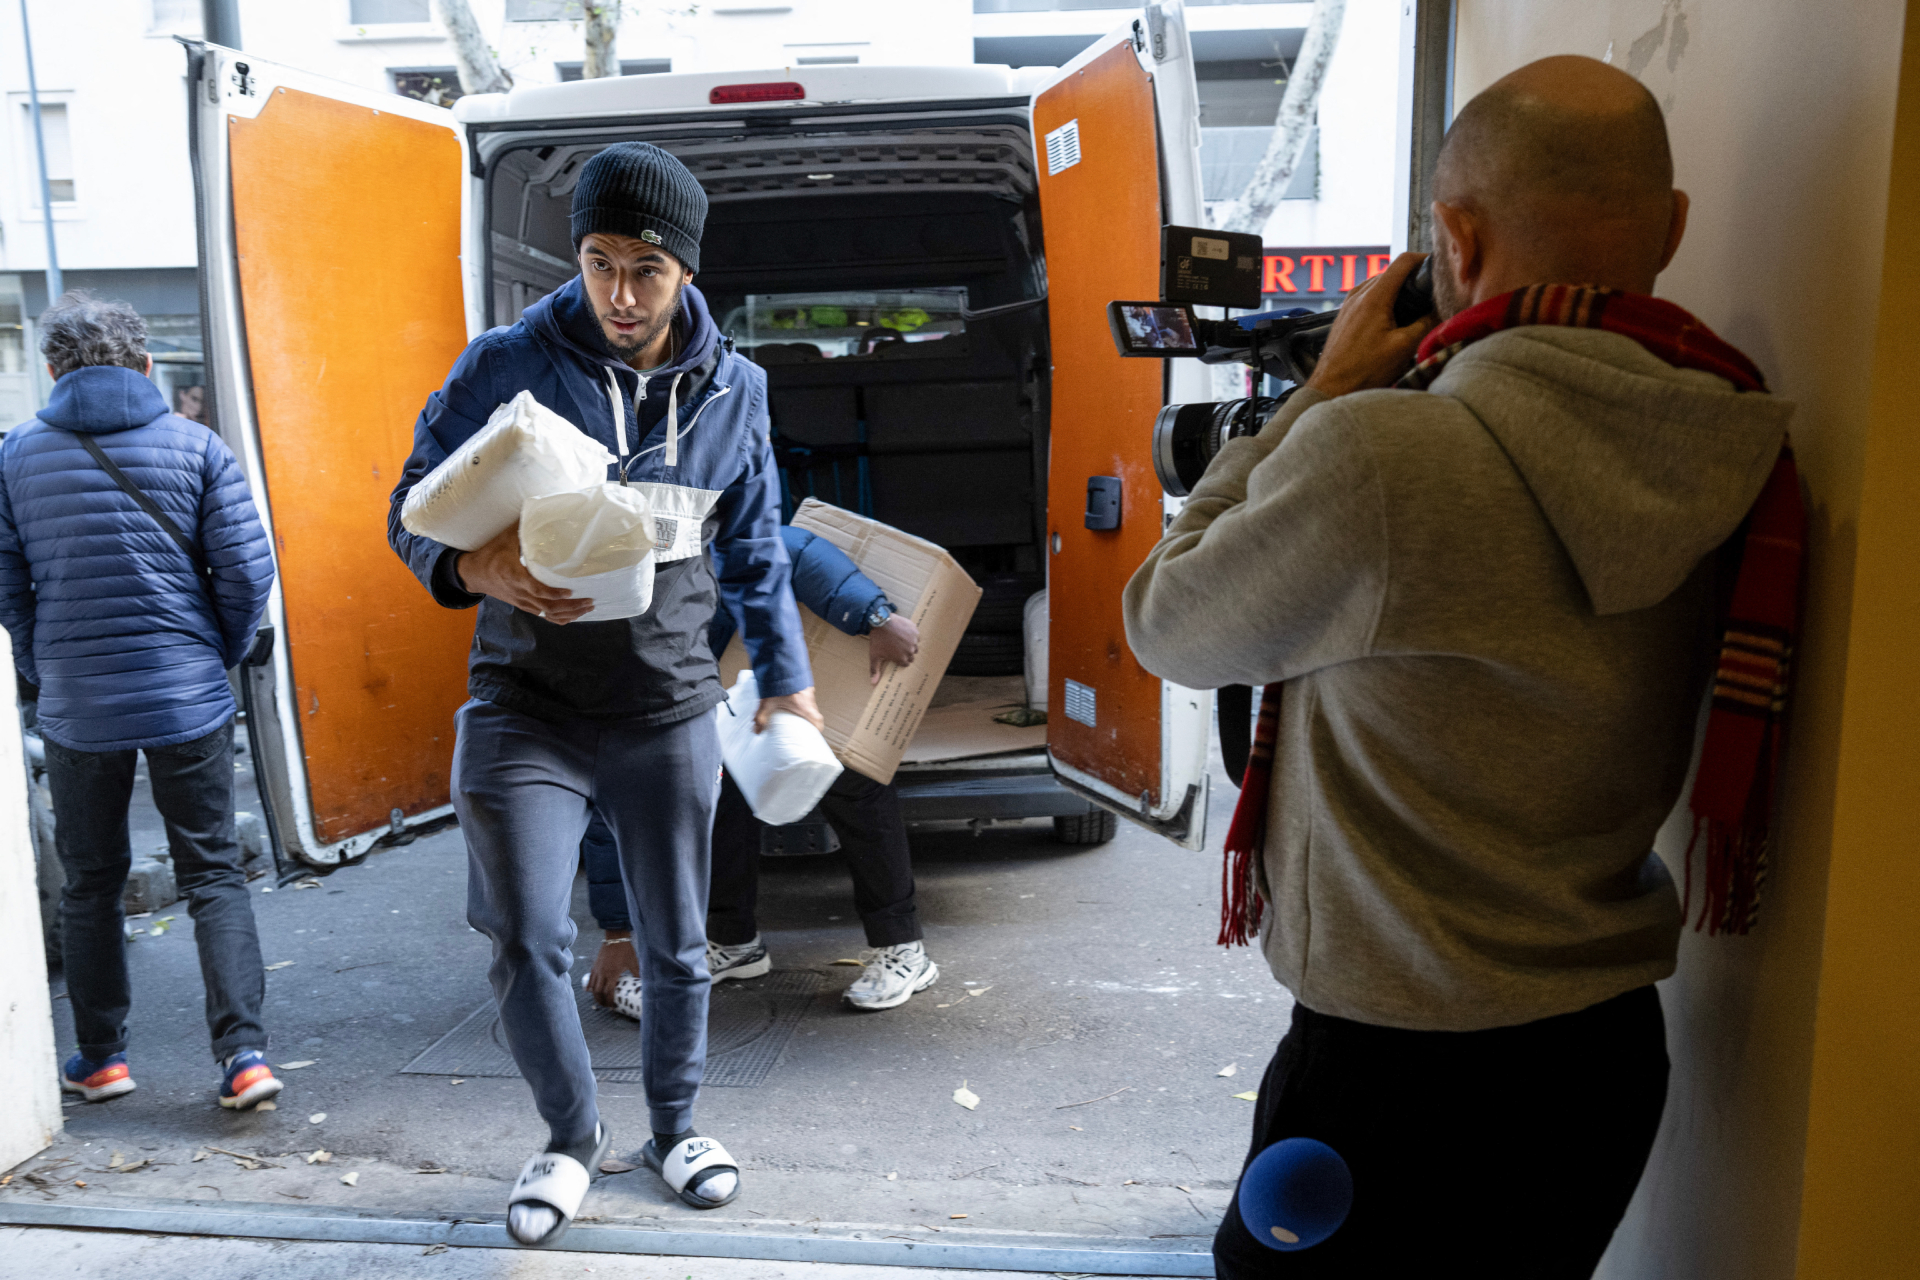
1154, 329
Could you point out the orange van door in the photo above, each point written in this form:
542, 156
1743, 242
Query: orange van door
1117, 150
330, 221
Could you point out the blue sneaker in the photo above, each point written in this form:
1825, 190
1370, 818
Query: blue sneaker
97, 1081
249, 1081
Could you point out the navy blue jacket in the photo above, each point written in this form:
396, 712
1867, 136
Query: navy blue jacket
825, 580
107, 613
656, 668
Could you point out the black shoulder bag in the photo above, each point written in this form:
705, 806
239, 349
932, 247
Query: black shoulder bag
152, 508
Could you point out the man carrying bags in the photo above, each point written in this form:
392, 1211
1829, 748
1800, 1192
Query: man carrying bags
569, 717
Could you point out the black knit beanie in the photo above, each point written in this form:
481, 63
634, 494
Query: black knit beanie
636, 189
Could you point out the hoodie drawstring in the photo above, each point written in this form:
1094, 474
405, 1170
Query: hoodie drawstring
619, 416
673, 422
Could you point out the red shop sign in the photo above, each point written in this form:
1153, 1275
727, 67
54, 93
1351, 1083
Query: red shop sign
1324, 272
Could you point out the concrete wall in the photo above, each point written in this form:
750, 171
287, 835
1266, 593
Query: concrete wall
1782, 119
30, 1117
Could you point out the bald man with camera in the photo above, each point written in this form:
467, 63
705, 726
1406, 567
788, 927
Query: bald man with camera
1478, 564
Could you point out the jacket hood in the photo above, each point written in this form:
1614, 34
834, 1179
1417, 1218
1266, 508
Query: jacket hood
565, 318
1641, 468
103, 398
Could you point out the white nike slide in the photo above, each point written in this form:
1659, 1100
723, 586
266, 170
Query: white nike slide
691, 1166
549, 1191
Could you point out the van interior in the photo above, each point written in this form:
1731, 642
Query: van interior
889, 281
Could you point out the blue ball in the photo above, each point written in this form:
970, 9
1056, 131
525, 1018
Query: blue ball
1295, 1194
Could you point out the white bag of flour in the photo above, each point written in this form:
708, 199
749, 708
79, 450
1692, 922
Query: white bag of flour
524, 450
782, 772
597, 542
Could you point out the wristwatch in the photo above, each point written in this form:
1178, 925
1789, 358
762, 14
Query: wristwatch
878, 613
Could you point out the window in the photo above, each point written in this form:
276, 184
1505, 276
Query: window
53, 128
371, 13
848, 324
435, 86
544, 11
173, 17
628, 67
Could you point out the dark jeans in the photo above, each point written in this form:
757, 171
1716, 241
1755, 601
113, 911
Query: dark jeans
193, 789
873, 840
606, 892
1501, 1155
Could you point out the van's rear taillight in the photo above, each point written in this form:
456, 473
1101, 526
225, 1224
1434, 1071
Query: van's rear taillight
772, 91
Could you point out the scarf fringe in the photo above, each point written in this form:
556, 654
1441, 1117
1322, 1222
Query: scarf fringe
1242, 905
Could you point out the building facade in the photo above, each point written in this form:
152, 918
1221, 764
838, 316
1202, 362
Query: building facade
112, 85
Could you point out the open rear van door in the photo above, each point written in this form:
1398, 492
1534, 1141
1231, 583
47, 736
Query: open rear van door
1117, 135
330, 221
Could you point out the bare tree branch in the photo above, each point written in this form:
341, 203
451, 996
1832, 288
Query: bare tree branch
480, 71
602, 31
1294, 128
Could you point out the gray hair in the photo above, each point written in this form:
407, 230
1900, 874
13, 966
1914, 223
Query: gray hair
81, 330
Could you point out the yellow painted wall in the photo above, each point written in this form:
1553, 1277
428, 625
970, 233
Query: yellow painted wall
1782, 117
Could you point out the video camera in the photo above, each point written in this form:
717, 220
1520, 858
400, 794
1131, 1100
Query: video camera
1222, 269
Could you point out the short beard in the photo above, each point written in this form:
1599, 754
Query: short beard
625, 350
1447, 302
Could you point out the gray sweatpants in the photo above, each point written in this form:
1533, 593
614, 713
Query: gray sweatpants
522, 787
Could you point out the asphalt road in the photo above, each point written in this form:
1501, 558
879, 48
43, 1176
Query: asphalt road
1092, 972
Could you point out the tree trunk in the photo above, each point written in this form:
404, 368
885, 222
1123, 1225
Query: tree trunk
602, 31
1294, 128
480, 71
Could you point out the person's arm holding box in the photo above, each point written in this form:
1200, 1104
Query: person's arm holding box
827, 581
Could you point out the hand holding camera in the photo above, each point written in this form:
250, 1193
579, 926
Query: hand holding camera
1371, 344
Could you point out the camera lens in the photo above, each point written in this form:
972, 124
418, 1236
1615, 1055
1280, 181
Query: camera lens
1187, 436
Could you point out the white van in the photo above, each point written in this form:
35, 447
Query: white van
920, 257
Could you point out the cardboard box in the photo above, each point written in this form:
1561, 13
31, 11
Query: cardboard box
869, 725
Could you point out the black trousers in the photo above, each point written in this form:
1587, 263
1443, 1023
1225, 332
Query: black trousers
193, 789
873, 839
1501, 1155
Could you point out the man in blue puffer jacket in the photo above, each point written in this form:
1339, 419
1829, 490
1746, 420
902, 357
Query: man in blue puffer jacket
612, 716
129, 648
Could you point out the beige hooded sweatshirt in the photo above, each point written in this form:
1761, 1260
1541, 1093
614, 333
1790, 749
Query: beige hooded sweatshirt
1493, 606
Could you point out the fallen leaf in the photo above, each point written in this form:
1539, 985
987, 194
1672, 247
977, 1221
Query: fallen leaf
160, 926
268, 1105
1228, 1070
966, 1097
943, 1006
956, 1215
1188, 1190
1130, 1183
283, 964
115, 1160
320, 1157
295, 1066
78, 1183
432, 1249
198, 1156
456, 1080
129, 1168
617, 1166
893, 1177
855, 963
1076, 1128
5, 1179
316, 1117
351, 1179
1249, 1096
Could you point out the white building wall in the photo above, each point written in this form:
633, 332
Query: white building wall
1358, 110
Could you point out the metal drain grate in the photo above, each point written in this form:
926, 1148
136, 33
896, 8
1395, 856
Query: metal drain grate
748, 1024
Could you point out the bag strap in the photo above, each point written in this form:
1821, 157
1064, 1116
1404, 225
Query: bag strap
147, 504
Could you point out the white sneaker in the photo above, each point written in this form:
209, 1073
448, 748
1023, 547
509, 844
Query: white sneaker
748, 960
892, 975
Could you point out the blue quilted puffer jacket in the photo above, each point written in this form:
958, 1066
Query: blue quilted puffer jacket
107, 614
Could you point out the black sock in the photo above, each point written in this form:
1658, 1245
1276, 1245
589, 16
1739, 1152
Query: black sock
582, 1150
665, 1142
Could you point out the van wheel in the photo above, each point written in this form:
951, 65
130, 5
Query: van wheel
1097, 827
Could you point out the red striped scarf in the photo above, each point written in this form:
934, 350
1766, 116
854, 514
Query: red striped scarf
1733, 790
